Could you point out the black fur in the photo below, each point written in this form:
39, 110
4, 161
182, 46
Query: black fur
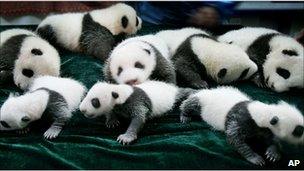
9, 52
290, 52
95, 40
124, 22
283, 72
190, 72
47, 33
244, 74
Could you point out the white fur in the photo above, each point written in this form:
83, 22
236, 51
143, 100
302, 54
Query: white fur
216, 103
289, 117
174, 38
72, 90
7, 34
46, 64
130, 51
216, 56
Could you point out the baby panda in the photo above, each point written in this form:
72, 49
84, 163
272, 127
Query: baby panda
200, 56
280, 58
138, 59
139, 103
243, 120
91, 32
24, 56
49, 98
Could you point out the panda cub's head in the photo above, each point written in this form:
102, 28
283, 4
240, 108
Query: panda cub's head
36, 57
132, 63
18, 111
283, 68
102, 98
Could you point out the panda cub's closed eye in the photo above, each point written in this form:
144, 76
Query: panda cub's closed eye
4, 124
283, 72
119, 70
222, 73
95, 102
28, 72
139, 65
37, 52
290, 52
124, 22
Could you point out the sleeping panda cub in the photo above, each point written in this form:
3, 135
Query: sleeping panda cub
24, 56
243, 120
90, 32
49, 98
200, 56
138, 103
138, 59
280, 58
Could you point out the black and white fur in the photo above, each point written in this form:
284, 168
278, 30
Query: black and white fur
141, 102
243, 120
280, 58
24, 56
199, 56
91, 32
49, 97
138, 59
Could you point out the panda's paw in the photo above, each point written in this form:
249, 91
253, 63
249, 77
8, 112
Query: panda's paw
184, 119
272, 154
126, 139
200, 85
52, 133
257, 160
23, 131
112, 123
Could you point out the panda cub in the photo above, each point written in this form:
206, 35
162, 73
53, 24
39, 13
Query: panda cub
24, 56
49, 98
243, 120
139, 103
138, 59
90, 32
280, 58
200, 56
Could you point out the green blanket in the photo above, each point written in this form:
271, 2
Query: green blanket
164, 143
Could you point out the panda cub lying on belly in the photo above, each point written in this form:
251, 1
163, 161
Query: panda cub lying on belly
280, 58
90, 32
139, 103
24, 56
229, 110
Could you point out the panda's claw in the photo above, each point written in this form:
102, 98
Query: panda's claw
126, 139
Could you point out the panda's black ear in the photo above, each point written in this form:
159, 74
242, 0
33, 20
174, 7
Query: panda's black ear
274, 120
124, 21
115, 95
289, 52
25, 119
148, 51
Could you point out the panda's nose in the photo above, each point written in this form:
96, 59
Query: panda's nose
132, 82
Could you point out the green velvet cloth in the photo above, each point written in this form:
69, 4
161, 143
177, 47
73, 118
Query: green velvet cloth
163, 143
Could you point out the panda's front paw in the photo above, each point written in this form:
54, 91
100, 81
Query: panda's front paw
23, 131
257, 160
112, 123
184, 119
272, 154
126, 139
199, 85
52, 132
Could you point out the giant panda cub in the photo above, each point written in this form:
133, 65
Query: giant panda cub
49, 98
141, 102
280, 58
138, 59
200, 56
243, 120
91, 32
24, 56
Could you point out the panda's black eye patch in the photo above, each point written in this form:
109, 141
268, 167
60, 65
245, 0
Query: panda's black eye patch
139, 65
28, 72
290, 52
119, 71
274, 120
4, 124
36, 52
283, 73
222, 73
148, 51
244, 73
298, 131
230, 42
137, 22
95, 102
124, 22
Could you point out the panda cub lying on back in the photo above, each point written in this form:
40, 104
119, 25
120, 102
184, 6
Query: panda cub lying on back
141, 102
280, 58
90, 32
49, 98
199, 56
24, 56
243, 120
138, 59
